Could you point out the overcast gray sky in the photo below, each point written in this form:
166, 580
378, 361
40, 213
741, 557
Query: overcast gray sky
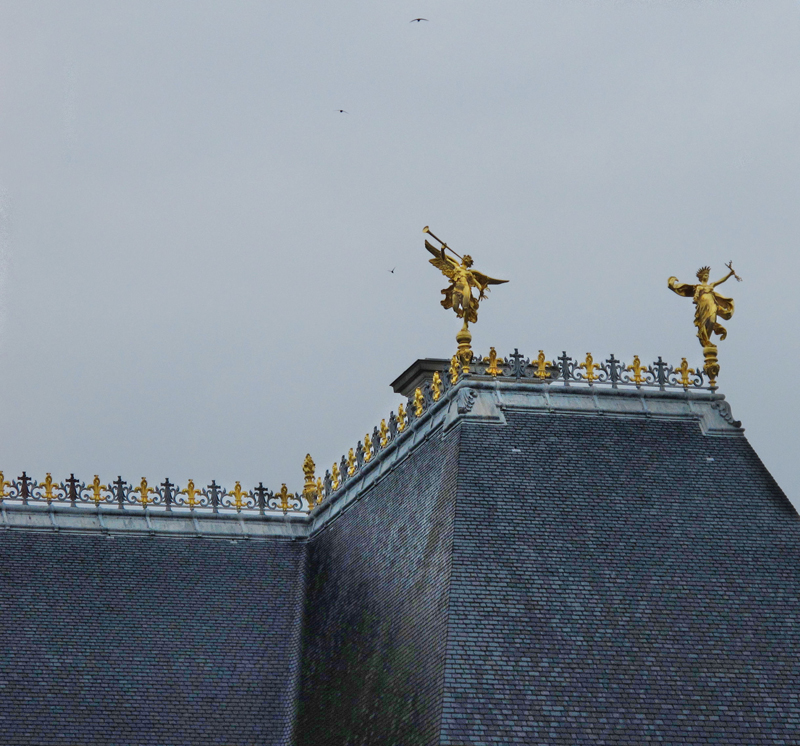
196, 244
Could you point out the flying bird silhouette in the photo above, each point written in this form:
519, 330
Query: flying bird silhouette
391, 270
417, 20
342, 111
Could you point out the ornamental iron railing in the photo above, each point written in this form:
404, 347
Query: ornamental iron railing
167, 496
567, 370
214, 498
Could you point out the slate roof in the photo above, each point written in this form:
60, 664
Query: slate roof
524, 567
147, 641
647, 590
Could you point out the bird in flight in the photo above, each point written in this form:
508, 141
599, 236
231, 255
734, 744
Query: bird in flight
391, 270
417, 20
342, 111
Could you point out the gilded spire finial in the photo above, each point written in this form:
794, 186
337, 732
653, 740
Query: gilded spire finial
309, 483
708, 306
458, 295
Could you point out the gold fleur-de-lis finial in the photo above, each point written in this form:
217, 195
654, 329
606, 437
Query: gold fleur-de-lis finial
685, 372
541, 364
97, 489
401, 418
3, 484
191, 494
436, 386
367, 448
384, 434
589, 365
144, 492
638, 370
335, 476
351, 462
493, 369
47, 486
284, 497
418, 401
320, 490
239, 496
455, 369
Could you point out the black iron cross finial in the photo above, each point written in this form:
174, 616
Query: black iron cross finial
214, 487
73, 488
261, 495
119, 491
168, 493
518, 367
613, 370
564, 361
24, 491
660, 368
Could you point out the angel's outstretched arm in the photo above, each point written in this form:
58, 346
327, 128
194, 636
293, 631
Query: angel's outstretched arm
727, 277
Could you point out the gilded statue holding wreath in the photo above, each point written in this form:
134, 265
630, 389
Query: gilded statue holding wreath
709, 305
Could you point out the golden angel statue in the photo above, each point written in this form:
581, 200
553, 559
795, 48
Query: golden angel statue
708, 303
458, 295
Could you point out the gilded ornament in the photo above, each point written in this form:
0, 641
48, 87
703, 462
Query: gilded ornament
709, 305
384, 434
402, 418
458, 295
335, 476
320, 490
191, 493
309, 484
685, 372
351, 463
637, 370
436, 386
454, 369
144, 492
418, 401
239, 496
47, 486
3, 485
493, 369
284, 497
589, 365
97, 489
367, 448
541, 364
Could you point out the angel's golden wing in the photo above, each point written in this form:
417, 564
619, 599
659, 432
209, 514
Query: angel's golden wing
441, 261
484, 280
681, 288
